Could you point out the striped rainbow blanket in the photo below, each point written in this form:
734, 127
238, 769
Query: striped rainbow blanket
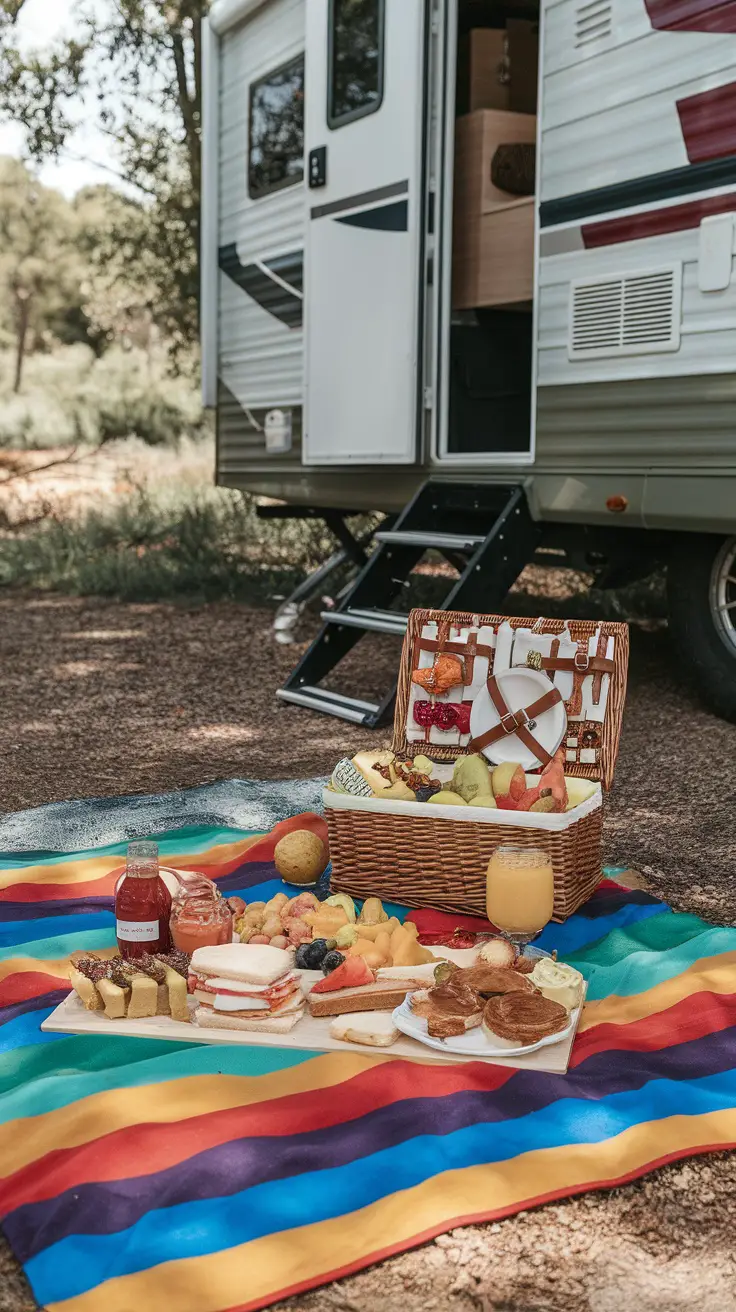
140, 1174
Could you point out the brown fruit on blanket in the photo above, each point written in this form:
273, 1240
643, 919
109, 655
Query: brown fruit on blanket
300, 857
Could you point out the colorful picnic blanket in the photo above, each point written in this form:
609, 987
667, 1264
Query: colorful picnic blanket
143, 1175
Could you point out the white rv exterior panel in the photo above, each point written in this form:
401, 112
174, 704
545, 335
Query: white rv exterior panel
610, 107
261, 358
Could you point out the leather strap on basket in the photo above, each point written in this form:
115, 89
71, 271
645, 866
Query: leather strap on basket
516, 722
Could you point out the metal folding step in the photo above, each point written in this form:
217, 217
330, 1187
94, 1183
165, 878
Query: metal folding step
427, 539
370, 621
329, 703
484, 530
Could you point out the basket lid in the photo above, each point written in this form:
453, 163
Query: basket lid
576, 678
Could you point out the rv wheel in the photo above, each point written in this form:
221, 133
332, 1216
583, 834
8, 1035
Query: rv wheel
701, 589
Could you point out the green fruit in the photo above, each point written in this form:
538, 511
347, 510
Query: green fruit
446, 798
484, 799
470, 777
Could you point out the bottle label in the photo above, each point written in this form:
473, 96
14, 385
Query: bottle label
138, 931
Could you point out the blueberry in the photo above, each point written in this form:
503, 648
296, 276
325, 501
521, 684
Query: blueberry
331, 962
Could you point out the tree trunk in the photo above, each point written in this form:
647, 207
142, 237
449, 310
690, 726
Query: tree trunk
22, 320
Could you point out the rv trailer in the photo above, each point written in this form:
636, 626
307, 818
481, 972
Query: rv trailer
392, 322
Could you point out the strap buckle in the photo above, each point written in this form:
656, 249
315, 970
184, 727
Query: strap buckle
514, 720
581, 661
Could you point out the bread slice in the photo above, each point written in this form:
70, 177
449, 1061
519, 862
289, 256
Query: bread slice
374, 1029
86, 990
251, 964
208, 1019
367, 997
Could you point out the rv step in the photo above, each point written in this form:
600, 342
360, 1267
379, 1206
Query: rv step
486, 532
427, 539
371, 621
330, 703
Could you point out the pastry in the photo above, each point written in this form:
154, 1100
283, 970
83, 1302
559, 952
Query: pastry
300, 857
448, 1010
558, 982
444, 674
523, 1018
487, 980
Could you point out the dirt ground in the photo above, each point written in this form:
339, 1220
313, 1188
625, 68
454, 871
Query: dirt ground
105, 699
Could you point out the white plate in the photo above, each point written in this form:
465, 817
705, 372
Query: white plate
473, 1043
521, 686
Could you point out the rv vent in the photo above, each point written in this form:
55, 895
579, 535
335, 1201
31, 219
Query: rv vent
592, 22
635, 314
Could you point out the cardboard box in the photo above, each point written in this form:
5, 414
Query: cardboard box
493, 243
497, 68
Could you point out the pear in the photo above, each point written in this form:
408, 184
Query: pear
470, 777
484, 799
446, 798
578, 791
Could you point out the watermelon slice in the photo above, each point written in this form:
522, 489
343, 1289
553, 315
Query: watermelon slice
350, 975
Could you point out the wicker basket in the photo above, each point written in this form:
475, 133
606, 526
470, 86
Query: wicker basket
437, 857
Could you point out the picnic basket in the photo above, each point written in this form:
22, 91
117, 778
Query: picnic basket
437, 856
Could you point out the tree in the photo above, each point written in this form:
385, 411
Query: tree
140, 64
39, 268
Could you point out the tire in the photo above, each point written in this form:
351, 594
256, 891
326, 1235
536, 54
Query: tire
701, 592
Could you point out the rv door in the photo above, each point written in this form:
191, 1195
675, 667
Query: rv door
364, 130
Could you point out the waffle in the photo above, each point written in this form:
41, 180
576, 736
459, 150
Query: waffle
524, 1018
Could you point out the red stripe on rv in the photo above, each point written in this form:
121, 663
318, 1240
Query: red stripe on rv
692, 15
708, 123
655, 223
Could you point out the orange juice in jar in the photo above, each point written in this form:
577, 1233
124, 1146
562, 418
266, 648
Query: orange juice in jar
520, 891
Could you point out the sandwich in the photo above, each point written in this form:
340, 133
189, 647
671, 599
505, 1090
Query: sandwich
244, 986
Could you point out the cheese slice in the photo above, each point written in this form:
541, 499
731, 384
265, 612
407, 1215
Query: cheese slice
373, 1029
223, 1002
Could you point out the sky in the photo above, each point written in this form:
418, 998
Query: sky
40, 21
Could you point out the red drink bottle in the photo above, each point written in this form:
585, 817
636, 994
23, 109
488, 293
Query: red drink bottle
142, 904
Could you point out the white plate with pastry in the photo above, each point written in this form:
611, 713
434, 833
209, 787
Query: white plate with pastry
474, 1042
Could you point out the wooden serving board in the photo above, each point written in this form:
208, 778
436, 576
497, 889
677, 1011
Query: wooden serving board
308, 1035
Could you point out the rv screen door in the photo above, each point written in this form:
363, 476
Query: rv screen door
364, 145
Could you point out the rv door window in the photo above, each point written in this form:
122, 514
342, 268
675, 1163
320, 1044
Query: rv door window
355, 78
276, 146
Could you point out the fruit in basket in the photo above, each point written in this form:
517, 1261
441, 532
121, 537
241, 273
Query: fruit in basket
543, 804
470, 777
398, 792
446, 797
372, 912
578, 791
345, 901
508, 781
484, 799
300, 858
553, 778
423, 765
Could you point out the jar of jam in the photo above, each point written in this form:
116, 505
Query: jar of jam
142, 904
200, 916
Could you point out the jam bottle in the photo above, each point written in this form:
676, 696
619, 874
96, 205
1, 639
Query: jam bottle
142, 904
